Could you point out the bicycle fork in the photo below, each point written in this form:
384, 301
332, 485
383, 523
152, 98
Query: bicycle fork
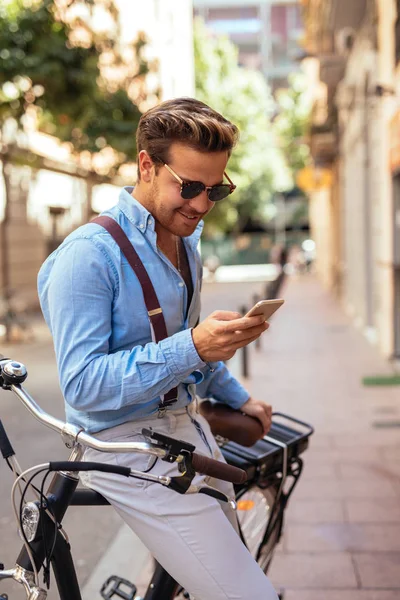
59, 494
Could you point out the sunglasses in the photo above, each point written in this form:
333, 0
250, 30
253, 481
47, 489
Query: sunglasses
191, 189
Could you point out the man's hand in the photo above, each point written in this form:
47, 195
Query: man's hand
260, 410
223, 332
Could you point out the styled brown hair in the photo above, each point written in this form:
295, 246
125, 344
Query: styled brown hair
184, 120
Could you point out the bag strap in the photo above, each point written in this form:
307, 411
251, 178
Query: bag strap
154, 310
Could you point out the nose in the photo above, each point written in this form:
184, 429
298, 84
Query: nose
201, 203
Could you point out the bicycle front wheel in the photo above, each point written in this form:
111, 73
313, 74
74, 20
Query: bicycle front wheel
256, 514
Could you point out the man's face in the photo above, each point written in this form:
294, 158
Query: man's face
163, 195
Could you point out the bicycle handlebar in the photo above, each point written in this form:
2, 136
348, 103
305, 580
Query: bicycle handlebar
217, 469
201, 464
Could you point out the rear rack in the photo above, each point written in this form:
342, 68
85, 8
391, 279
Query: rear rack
287, 439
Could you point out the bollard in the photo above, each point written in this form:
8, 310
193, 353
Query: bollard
244, 354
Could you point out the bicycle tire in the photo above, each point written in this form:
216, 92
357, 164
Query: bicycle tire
255, 508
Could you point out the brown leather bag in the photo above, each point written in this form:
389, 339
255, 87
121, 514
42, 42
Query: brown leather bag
230, 423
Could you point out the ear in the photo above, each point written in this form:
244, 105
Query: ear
146, 167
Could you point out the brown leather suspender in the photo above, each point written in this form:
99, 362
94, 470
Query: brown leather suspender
150, 297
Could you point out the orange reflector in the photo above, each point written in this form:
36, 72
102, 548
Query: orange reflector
245, 504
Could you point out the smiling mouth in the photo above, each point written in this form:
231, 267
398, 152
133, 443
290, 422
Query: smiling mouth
189, 217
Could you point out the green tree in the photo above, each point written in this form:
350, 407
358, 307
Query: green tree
292, 122
63, 76
241, 95
52, 67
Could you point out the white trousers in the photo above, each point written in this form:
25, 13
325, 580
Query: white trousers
193, 536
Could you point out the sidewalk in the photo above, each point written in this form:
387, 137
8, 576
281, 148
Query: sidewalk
342, 535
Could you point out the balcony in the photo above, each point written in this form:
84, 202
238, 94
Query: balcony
325, 18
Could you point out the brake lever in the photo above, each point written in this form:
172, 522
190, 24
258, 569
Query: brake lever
214, 493
172, 446
182, 483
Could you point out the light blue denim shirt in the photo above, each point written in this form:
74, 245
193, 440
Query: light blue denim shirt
110, 370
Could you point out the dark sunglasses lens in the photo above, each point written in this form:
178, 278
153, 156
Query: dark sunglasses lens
192, 189
219, 192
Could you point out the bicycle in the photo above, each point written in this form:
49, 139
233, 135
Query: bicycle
259, 475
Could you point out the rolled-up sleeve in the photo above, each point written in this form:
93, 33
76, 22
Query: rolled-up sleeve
219, 383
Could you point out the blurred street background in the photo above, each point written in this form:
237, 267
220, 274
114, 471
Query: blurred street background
314, 86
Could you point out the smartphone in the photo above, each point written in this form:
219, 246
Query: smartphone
265, 308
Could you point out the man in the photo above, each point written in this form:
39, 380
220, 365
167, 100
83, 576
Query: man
113, 374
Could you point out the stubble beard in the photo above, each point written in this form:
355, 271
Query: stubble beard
162, 215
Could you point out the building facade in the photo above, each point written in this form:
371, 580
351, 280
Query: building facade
266, 32
355, 221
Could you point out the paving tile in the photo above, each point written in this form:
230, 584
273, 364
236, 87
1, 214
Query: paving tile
370, 471
378, 570
391, 454
380, 510
392, 467
315, 457
336, 489
362, 454
344, 537
342, 594
315, 511
384, 438
322, 440
325, 571
319, 470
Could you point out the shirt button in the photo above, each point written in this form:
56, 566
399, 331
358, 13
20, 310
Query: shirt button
141, 226
181, 284
150, 221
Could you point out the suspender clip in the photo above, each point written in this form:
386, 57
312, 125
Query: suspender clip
161, 411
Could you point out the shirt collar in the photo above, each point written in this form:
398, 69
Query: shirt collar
143, 219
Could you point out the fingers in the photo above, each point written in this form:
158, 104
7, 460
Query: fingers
248, 335
263, 412
244, 323
265, 416
225, 315
223, 332
269, 417
243, 339
260, 414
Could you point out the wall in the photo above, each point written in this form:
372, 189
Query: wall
366, 185
26, 244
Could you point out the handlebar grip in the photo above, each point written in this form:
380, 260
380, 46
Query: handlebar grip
219, 470
67, 465
5, 444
